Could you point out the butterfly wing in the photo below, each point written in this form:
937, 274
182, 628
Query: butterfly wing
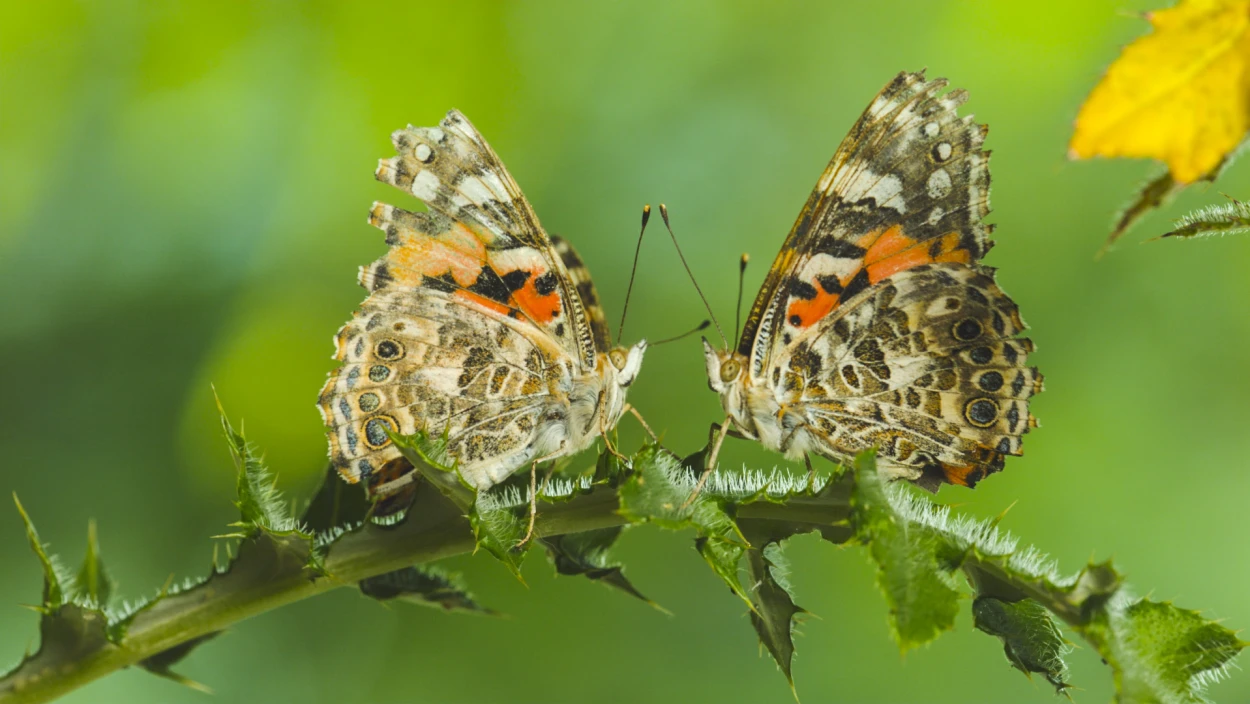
496, 248
926, 367
472, 328
908, 186
579, 275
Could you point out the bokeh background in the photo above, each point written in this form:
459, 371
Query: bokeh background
184, 189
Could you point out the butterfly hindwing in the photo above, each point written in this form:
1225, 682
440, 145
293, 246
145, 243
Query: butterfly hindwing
927, 367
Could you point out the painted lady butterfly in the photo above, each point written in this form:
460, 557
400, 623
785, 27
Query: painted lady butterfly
876, 325
477, 325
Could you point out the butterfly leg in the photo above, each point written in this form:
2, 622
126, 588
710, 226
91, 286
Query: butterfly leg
645, 427
529, 531
717, 436
811, 471
607, 441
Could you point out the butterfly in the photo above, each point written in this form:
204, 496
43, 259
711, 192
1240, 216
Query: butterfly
478, 327
877, 326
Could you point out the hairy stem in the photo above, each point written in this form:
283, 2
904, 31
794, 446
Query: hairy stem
435, 529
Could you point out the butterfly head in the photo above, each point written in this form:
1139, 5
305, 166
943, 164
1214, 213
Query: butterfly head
724, 368
627, 361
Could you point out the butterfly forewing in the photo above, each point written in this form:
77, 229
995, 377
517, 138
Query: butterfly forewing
909, 185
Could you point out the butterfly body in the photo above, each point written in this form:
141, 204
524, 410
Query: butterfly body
478, 326
877, 327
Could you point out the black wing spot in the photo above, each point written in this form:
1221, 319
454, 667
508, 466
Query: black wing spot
967, 330
981, 412
839, 248
981, 355
489, 285
389, 349
829, 283
802, 289
514, 280
444, 283
545, 284
857, 284
991, 381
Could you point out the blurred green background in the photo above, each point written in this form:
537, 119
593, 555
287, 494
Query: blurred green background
184, 190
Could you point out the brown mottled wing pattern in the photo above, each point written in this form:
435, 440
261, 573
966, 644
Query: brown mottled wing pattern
579, 275
926, 367
909, 185
472, 326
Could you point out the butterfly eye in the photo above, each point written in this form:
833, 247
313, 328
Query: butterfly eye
729, 370
617, 357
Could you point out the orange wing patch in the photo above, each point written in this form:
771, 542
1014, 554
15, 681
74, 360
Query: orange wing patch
805, 313
541, 307
886, 253
892, 251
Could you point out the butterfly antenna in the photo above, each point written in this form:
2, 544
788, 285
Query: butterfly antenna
701, 326
646, 215
742, 272
664, 214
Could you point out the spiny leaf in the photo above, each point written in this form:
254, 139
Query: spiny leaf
500, 520
1153, 194
659, 491
260, 504
93, 584
921, 592
1224, 219
1031, 638
53, 593
586, 553
161, 663
425, 585
775, 614
1171, 652
1176, 94
429, 455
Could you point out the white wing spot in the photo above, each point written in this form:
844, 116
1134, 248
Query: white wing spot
423, 153
437, 135
886, 190
944, 151
425, 186
935, 215
931, 129
939, 183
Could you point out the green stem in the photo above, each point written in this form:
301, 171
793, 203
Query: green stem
434, 530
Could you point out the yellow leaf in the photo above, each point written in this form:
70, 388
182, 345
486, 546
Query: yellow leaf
1180, 94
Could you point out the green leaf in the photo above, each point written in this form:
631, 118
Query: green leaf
775, 614
1225, 219
429, 455
1153, 194
425, 585
659, 491
586, 553
1169, 654
260, 504
53, 593
93, 584
920, 590
499, 518
1031, 639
